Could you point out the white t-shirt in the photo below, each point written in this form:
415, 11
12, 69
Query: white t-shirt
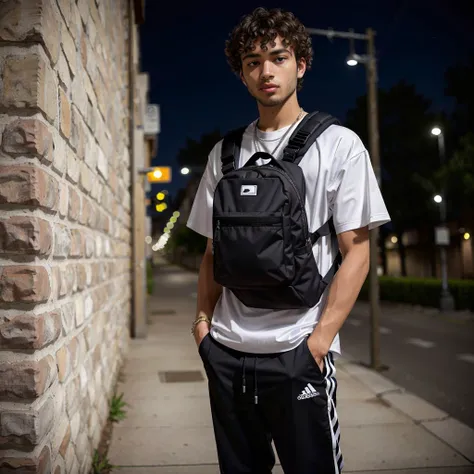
340, 182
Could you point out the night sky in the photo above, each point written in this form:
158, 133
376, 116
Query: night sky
182, 49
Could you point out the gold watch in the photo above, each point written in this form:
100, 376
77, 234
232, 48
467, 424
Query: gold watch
201, 317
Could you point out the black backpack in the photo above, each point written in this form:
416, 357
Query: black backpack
263, 250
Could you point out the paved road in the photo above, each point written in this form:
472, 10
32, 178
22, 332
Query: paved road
428, 354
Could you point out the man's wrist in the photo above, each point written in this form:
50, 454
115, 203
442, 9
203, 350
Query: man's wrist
201, 318
319, 344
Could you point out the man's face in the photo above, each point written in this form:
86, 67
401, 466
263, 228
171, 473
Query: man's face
271, 76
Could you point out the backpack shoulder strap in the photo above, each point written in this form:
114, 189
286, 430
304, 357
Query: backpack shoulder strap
231, 149
310, 128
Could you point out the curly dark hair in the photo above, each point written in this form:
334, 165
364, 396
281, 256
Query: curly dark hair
267, 24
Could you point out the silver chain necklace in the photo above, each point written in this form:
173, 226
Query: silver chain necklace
257, 142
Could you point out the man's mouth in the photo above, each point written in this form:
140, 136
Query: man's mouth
269, 88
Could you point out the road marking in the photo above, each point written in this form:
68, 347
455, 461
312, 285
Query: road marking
421, 343
353, 322
466, 357
385, 330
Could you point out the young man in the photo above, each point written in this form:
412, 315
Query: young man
271, 373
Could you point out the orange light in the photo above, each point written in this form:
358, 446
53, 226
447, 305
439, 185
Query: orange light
161, 174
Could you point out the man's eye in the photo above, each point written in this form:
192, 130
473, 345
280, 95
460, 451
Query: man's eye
252, 64
280, 60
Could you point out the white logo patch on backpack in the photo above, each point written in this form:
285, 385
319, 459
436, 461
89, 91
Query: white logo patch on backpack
248, 190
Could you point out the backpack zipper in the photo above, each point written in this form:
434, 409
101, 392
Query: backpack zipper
287, 176
245, 220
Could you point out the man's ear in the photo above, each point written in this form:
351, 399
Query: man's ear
301, 67
242, 78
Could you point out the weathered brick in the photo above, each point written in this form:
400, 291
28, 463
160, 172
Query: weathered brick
77, 247
28, 186
29, 331
89, 305
84, 49
26, 428
113, 182
69, 48
74, 204
63, 199
63, 72
89, 243
73, 351
85, 211
65, 113
22, 235
85, 177
65, 442
79, 95
71, 278
59, 154
76, 424
102, 165
25, 284
78, 134
26, 465
68, 317
32, 20
90, 151
65, 8
79, 311
29, 81
29, 137
73, 166
26, 380
62, 241
63, 362
59, 283
73, 396
81, 277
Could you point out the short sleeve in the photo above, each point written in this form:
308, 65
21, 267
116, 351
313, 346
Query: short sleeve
200, 217
356, 198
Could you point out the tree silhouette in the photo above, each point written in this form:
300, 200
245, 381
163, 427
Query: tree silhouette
408, 155
195, 153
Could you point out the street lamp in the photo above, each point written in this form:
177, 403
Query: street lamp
369, 60
446, 302
195, 169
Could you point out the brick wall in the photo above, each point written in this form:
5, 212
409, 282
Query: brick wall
64, 227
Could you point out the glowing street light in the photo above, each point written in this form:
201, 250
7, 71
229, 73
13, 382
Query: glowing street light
185, 170
438, 199
436, 131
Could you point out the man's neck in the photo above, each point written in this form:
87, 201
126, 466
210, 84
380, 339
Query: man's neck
274, 118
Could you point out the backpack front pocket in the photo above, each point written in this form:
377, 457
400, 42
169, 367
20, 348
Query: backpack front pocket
252, 251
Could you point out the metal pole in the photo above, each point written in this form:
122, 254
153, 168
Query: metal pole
446, 299
374, 291
371, 65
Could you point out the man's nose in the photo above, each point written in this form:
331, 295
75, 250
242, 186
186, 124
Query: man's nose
267, 70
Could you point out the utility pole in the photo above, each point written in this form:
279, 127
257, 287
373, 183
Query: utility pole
372, 117
446, 302
374, 290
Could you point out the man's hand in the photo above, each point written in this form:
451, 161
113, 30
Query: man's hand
318, 350
200, 332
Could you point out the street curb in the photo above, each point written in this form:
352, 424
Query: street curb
454, 433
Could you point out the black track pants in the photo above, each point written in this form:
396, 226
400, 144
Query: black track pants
284, 398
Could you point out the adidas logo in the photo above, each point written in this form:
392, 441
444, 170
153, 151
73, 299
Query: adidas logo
308, 392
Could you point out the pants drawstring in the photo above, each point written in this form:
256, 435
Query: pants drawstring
244, 386
255, 381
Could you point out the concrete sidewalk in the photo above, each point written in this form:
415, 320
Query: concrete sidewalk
168, 429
